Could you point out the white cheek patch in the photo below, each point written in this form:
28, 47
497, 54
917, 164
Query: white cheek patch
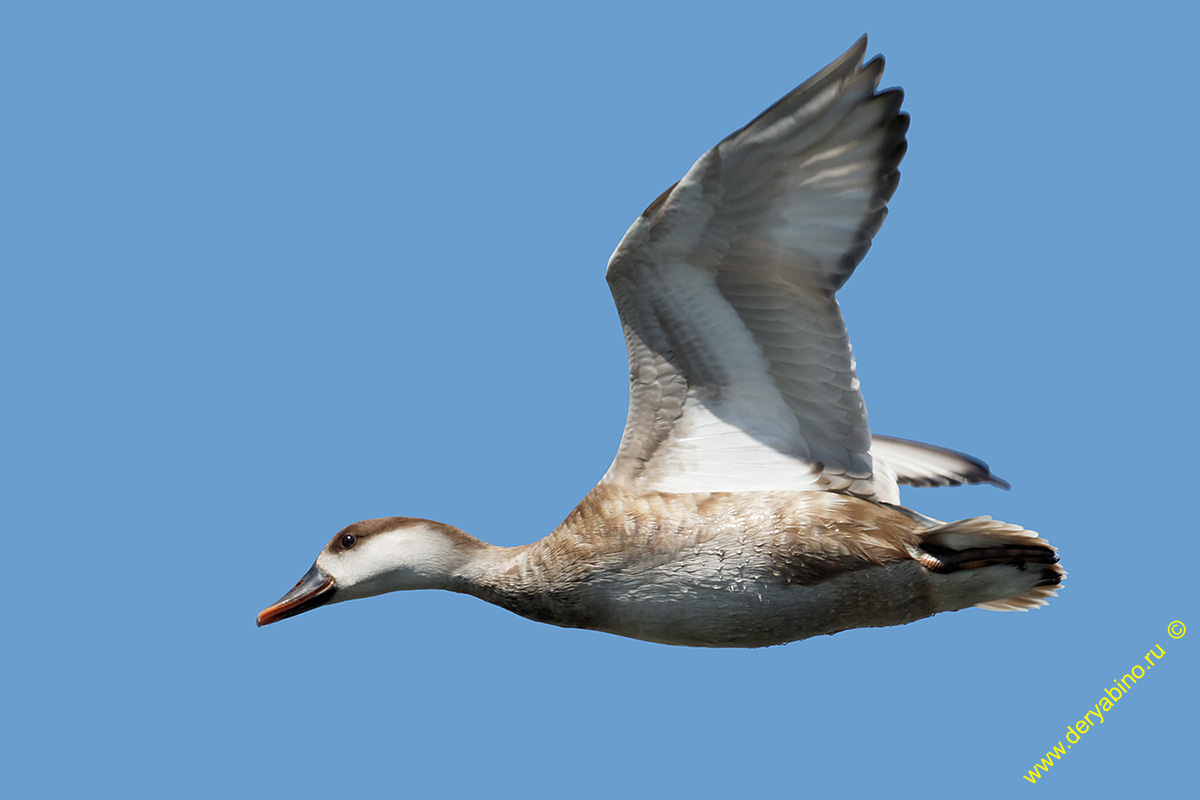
355, 571
412, 557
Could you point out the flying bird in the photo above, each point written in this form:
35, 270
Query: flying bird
749, 504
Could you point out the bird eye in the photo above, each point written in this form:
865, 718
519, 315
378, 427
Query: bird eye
348, 541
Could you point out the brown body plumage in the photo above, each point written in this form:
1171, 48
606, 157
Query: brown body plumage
747, 569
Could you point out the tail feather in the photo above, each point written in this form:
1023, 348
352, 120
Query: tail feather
982, 542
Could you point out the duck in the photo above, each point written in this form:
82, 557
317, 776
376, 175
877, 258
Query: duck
749, 504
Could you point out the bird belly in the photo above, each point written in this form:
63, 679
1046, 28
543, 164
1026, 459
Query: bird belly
747, 612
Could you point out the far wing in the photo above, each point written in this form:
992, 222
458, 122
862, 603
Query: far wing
919, 464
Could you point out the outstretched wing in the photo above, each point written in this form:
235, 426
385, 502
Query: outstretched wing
741, 372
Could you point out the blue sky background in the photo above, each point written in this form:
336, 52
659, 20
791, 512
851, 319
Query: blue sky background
271, 268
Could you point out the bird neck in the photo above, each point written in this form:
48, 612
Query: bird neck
520, 579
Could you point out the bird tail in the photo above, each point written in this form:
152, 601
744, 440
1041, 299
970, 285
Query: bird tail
990, 564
